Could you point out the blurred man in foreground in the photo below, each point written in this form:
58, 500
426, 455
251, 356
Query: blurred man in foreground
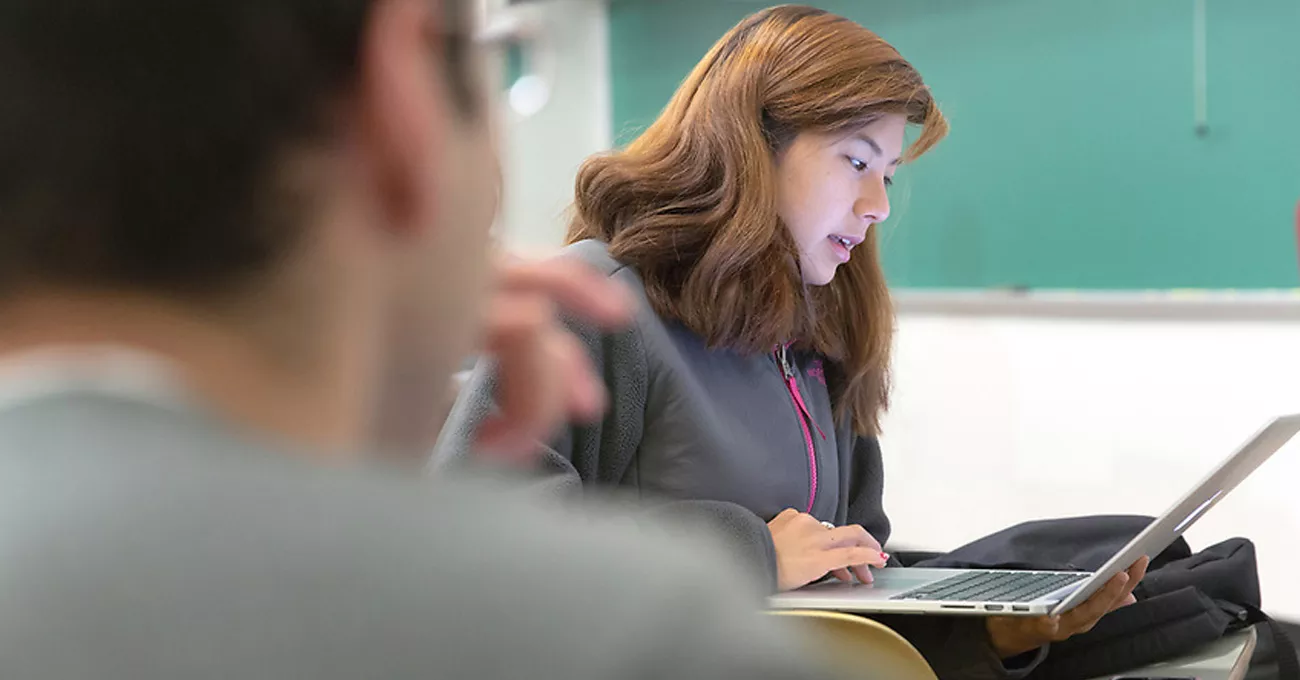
240, 241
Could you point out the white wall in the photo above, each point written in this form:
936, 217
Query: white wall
997, 420
541, 154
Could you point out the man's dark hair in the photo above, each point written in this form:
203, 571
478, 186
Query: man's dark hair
139, 139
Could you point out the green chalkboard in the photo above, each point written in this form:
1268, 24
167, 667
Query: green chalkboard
1073, 160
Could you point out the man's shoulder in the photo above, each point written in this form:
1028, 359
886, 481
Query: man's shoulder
282, 564
172, 465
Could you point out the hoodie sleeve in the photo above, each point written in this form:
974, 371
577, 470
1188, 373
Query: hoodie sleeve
745, 534
600, 454
957, 648
866, 489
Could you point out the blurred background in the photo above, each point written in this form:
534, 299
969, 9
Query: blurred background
1096, 273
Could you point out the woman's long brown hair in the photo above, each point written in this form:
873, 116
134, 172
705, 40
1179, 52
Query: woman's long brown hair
691, 204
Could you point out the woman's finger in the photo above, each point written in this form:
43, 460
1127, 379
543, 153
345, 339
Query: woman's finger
1096, 607
1135, 575
853, 534
841, 558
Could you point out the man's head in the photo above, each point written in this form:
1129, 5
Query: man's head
314, 174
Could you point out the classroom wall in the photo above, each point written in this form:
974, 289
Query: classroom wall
1073, 160
540, 154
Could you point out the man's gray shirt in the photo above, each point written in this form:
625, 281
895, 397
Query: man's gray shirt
145, 542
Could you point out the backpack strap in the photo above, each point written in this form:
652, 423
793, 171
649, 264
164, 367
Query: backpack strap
1288, 665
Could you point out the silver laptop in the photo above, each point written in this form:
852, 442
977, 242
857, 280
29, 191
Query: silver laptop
981, 592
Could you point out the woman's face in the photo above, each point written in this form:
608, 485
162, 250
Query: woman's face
832, 188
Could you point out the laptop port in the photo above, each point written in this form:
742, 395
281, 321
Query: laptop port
1019, 608
993, 607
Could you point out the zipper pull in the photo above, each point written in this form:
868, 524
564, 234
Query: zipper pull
784, 359
787, 368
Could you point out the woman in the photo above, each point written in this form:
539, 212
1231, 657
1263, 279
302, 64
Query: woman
750, 391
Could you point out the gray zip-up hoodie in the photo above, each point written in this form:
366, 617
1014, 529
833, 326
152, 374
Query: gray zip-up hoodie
729, 440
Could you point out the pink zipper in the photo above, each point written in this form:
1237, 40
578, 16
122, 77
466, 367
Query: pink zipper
805, 417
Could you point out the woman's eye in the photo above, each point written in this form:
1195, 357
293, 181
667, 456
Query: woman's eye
857, 164
889, 181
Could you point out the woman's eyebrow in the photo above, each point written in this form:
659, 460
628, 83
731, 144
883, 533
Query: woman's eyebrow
863, 137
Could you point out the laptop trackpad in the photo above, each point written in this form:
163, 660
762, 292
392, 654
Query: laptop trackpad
888, 582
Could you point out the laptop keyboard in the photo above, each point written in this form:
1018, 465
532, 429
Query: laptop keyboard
992, 586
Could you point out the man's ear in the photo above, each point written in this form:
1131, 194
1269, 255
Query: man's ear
401, 121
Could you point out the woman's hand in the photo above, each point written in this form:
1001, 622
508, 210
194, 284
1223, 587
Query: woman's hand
1012, 636
807, 550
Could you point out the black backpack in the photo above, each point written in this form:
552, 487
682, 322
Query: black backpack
1185, 602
